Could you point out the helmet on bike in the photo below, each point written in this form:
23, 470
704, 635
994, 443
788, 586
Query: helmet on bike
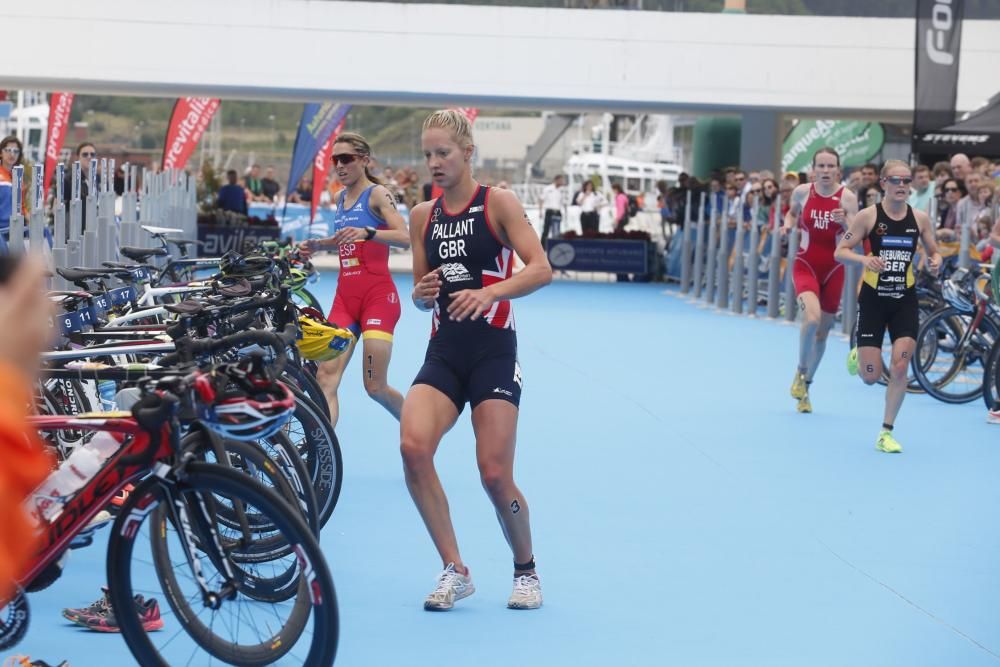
320, 340
252, 405
297, 279
234, 265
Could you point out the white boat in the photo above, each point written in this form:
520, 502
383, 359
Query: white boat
643, 158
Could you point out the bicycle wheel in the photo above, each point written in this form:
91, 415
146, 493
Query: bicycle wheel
312, 435
951, 369
64, 397
263, 462
305, 297
266, 545
305, 381
991, 380
226, 623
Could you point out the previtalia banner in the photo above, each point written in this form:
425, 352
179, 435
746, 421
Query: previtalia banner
188, 122
471, 113
938, 46
59, 109
318, 122
321, 165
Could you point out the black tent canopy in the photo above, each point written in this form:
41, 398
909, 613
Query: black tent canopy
977, 133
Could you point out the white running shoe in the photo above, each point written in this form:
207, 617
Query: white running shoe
527, 593
451, 587
993, 417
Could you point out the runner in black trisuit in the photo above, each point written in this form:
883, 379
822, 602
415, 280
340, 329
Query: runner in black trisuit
463, 257
888, 298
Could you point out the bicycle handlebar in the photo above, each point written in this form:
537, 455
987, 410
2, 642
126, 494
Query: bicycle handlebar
278, 342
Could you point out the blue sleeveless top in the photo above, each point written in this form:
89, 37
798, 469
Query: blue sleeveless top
361, 257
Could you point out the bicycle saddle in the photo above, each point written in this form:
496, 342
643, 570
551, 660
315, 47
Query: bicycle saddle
186, 307
184, 244
140, 255
123, 266
237, 288
78, 275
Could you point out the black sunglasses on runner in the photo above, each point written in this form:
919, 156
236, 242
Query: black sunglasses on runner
344, 158
899, 180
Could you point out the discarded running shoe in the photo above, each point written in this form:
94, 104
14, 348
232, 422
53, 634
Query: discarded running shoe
101, 604
25, 661
100, 616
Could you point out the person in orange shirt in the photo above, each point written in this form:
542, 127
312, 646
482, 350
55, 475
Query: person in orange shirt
24, 461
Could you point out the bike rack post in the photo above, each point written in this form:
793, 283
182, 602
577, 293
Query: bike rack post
965, 237
106, 206
145, 201
686, 248
59, 229
774, 263
75, 233
90, 204
90, 248
15, 244
699, 251
134, 206
36, 219
711, 256
791, 306
739, 270
753, 268
102, 224
125, 229
59, 210
191, 211
154, 199
722, 265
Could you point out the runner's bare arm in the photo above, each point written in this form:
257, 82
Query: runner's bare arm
848, 202
858, 230
507, 215
426, 283
799, 195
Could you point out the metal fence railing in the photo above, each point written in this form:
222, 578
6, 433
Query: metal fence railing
88, 231
747, 267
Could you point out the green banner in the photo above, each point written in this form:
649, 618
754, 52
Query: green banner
856, 141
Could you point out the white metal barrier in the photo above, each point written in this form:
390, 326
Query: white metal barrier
732, 278
93, 231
